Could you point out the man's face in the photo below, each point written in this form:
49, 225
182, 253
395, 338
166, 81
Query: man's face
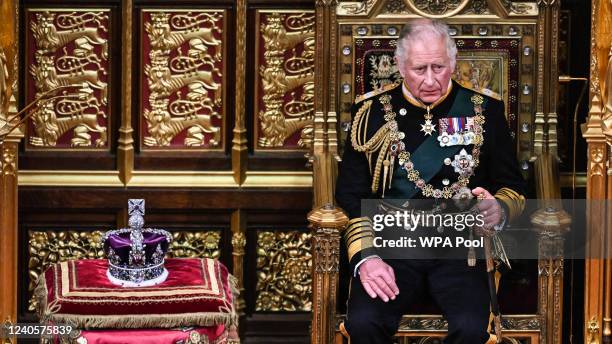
426, 68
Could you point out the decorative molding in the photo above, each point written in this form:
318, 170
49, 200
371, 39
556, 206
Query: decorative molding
437, 8
284, 264
285, 82
71, 49
239, 241
355, 7
183, 100
410, 323
8, 163
192, 244
596, 160
192, 179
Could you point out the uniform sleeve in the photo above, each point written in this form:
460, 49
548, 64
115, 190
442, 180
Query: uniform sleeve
353, 185
507, 183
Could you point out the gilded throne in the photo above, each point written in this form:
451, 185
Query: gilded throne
502, 48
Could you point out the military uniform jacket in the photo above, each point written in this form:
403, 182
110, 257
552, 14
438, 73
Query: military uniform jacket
361, 172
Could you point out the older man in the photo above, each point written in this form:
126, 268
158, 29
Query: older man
426, 138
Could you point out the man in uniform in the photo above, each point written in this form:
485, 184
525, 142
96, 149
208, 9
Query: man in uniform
425, 138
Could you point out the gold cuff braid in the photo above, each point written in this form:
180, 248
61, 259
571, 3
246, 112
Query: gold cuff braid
359, 235
515, 202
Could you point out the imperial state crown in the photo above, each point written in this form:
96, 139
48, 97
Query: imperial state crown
136, 254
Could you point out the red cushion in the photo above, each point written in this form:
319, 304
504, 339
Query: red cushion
197, 292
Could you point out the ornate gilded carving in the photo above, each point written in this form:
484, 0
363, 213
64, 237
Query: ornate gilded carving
238, 243
195, 244
357, 7
437, 6
436, 323
478, 7
286, 84
516, 8
71, 49
395, 7
596, 160
326, 244
8, 162
284, 263
47, 248
184, 96
593, 331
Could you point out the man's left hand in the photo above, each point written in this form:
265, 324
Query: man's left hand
489, 208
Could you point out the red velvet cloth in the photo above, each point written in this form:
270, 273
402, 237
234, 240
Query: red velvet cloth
197, 292
215, 334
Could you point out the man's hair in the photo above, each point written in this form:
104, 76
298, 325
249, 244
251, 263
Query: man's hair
418, 27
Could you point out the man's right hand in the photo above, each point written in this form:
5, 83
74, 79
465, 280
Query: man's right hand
378, 279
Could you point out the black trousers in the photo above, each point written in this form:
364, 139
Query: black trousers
460, 291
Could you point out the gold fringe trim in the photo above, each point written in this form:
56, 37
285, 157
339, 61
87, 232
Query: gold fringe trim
143, 320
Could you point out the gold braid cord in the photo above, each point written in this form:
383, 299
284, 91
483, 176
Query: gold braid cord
515, 202
379, 142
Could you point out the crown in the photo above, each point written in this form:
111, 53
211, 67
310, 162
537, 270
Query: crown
135, 254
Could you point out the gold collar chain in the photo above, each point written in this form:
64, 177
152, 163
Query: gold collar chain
397, 149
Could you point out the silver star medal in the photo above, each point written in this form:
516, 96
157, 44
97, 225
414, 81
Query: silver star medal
428, 128
463, 163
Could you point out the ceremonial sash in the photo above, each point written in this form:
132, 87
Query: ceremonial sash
429, 157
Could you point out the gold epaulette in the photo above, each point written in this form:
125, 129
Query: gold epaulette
515, 202
484, 92
376, 92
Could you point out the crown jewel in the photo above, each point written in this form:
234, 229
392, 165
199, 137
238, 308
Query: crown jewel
136, 254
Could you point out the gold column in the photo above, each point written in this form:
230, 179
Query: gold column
598, 181
607, 131
125, 150
551, 224
238, 227
327, 223
239, 142
8, 162
324, 154
550, 221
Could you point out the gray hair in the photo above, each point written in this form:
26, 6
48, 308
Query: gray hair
418, 27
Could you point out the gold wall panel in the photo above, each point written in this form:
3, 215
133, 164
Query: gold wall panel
49, 247
195, 244
68, 47
284, 265
284, 99
182, 80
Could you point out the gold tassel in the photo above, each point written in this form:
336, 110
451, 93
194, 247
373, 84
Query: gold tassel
391, 170
471, 260
385, 172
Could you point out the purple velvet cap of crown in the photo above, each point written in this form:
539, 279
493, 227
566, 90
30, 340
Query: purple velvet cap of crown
120, 243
